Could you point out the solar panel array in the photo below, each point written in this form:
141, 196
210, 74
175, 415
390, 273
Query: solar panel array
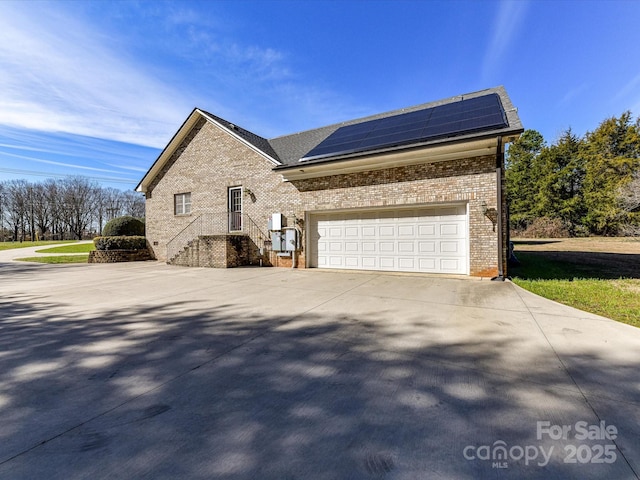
452, 119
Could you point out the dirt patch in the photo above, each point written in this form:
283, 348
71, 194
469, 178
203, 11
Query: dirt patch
589, 244
613, 257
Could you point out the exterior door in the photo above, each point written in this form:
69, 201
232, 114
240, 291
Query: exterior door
235, 209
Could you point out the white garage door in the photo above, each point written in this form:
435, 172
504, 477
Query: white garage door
424, 240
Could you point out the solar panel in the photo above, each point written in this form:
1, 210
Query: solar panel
443, 121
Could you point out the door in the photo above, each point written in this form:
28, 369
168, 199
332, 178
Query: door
235, 209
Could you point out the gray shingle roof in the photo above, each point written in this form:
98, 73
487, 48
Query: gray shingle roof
287, 150
255, 140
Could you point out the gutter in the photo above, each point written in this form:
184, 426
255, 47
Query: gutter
499, 163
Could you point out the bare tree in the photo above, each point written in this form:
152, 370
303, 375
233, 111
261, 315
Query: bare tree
16, 207
3, 199
133, 204
79, 201
59, 209
42, 208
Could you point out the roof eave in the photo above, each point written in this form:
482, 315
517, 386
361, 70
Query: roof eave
508, 134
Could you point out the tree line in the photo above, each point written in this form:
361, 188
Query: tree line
587, 185
59, 209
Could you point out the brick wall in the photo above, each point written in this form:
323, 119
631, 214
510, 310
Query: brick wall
210, 160
117, 256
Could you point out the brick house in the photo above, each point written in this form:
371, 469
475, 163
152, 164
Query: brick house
418, 189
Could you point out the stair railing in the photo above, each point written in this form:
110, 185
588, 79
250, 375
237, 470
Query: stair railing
215, 223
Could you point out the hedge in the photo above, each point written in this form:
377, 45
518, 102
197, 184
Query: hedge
121, 226
120, 243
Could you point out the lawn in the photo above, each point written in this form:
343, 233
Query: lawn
600, 276
74, 248
57, 259
12, 245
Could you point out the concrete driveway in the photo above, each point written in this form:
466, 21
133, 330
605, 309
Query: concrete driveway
143, 370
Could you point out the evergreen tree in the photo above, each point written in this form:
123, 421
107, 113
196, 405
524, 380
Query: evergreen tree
612, 157
522, 177
561, 176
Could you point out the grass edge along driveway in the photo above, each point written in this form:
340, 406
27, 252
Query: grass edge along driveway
584, 280
73, 247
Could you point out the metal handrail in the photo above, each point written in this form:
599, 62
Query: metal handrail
215, 223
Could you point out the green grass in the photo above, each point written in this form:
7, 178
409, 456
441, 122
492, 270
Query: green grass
587, 287
12, 245
57, 259
75, 248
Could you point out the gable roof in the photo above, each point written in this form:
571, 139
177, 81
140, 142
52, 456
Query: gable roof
250, 139
288, 151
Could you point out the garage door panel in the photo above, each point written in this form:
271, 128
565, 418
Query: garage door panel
351, 232
449, 265
450, 247
407, 263
336, 261
368, 232
426, 247
406, 231
406, 247
335, 247
387, 247
420, 240
387, 263
369, 263
351, 262
351, 247
335, 232
387, 231
427, 264
450, 230
369, 247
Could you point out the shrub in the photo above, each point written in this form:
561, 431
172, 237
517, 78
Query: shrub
123, 226
120, 243
546, 227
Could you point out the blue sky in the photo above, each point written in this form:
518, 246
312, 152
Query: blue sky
98, 88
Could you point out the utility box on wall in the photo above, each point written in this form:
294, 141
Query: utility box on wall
276, 222
290, 239
277, 241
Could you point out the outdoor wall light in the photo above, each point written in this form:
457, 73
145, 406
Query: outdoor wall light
250, 194
490, 213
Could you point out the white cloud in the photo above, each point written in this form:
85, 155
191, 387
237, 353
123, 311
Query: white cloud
510, 16
628, 96
60, 72
59, 75
59, 164
573, 93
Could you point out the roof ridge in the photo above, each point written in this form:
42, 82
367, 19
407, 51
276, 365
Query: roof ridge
254, 139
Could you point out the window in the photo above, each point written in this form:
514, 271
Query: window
235, 209
182, 202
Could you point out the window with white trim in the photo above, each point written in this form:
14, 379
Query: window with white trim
182, 203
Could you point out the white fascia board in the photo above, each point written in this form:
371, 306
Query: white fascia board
477, 148
239, 138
